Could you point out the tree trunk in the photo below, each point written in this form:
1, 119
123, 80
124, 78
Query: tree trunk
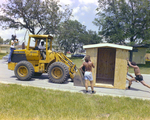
131, 39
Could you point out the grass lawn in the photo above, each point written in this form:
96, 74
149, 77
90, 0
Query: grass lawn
77, 61
31, 103
2, 54
144, 68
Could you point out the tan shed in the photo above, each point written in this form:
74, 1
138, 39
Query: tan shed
110, 64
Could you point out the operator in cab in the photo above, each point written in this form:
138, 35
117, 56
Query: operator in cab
42, 49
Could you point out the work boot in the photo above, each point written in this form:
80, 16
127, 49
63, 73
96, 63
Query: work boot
93, 92
129, 87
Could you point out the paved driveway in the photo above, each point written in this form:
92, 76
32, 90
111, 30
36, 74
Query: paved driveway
137, 90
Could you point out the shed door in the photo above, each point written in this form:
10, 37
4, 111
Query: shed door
105, 65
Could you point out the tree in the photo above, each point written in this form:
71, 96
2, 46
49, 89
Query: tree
1, 40
119, 20
54, 16
7, 41
90, 37
34, 15
70, 36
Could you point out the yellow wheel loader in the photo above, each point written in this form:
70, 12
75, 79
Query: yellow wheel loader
30, 61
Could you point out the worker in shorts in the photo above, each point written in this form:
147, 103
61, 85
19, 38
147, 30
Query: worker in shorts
138, 75
88, 73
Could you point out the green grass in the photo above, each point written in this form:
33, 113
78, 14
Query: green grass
77, 61
2, 54
30, 103
144, 68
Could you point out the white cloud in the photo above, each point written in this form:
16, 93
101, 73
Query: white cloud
3, 1
75, 10
75, 17
89, 2
75, 14
66, 2
85, 8
83, 23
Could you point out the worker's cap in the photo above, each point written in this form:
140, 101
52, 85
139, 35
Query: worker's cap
42, 40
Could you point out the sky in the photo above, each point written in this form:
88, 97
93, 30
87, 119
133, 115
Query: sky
83, 10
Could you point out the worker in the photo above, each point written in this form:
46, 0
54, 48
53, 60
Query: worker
42, 48
138, 75
88, 73
12, 47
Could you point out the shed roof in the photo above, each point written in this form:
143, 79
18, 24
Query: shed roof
110, 45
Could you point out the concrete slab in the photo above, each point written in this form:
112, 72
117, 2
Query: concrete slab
137, 90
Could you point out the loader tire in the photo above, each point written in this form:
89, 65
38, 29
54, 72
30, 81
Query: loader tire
58, 72
24, 70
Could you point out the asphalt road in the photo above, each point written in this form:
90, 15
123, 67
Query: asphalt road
137, 91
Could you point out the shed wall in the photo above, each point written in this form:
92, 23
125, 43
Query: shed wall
120, 69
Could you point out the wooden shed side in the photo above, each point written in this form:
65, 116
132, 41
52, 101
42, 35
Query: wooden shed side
93, 55
120, 69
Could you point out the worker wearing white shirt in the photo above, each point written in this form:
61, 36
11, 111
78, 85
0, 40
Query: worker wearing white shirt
41, 47
12, 47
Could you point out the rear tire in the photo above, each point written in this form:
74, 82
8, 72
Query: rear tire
58, 72
24, 70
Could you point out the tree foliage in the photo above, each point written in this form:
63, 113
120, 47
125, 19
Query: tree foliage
73, 36
7, 41
70, 36
34, 15
121, 20
91, 37
1, 40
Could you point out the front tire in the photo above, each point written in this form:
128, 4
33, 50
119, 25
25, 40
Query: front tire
24, 70
58, 72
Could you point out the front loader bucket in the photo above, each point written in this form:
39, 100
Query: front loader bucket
79, 78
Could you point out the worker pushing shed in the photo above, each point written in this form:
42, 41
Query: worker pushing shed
110, 64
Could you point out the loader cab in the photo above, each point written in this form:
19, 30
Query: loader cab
35, 40
32, 49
